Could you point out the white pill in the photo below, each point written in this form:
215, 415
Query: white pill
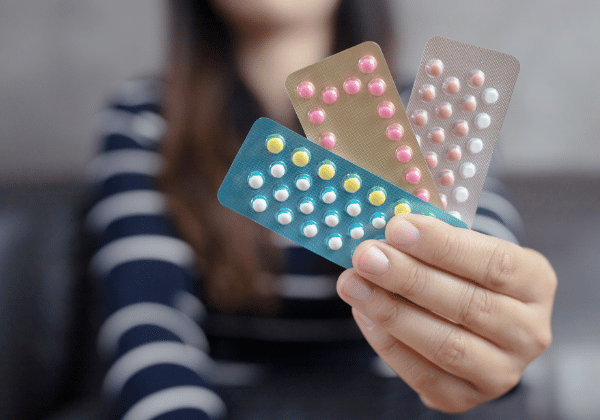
332, 220
310, 231
378, 222
467, 170
307, 207
278, 170
475, 145
353, 209
490, 96
303, 184
357, 232
259, 205
455, 214
285, 218
335, 243
460, 194
329, 197
256, 181
282, 194
483, 121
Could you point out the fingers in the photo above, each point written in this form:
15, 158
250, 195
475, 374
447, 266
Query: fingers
498, 318
492, 263
451, 348
438, 389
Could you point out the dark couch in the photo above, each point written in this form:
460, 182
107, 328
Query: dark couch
47, 325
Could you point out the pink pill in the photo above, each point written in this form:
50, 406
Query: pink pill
377, 87
437, 135
427, 93
386, 109
305, 89
352, 85
454, 153
446, 178
444, 111
404, 153
330, 95
476, 78
316, 115
468, 103
461, 128
419, 118
431, 159
444, 201
435, 68
395, 131
413, 175
327, 140
367, 64
423, 194
451, 85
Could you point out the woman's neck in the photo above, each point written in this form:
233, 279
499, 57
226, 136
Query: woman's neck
266, 58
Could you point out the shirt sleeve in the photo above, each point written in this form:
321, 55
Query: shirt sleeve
160, 366
496, 215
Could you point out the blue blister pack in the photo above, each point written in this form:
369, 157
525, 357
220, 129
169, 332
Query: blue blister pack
312, 196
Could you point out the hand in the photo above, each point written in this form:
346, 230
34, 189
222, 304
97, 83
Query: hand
458, 315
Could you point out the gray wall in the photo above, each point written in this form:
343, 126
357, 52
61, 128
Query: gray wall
60, 58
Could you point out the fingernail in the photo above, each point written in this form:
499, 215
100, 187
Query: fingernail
373, 261
368, 323
357, 290
404, 233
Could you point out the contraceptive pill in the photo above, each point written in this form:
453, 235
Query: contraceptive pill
330, 215
460, 124
360, 117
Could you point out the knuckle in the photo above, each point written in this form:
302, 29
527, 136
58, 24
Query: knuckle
501, 267
502, 383
445, 253
542, 340
389, 317
413, 281
389, 347
451, 352
480, 305
422, 380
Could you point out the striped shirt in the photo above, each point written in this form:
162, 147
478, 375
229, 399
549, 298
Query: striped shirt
152, 335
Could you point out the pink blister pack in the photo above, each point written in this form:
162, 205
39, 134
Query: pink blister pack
456, 109
348, 103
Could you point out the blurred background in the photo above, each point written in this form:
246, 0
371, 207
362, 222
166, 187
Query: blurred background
59, 60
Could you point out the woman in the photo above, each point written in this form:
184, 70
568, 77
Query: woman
467, 311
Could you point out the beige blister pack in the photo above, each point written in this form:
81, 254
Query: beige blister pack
456, 109
348, 103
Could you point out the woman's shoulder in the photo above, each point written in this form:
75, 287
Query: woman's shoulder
130, 129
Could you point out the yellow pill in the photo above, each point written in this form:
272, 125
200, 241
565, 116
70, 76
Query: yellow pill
326, 171
352, 184
300, 158
275, 144
402, 208
377, 197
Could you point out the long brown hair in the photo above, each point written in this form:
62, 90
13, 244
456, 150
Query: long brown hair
236, 259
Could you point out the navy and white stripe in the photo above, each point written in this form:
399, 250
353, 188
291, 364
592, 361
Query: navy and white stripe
159, 353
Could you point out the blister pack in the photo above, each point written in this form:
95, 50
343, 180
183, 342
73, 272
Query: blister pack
312, 196
348, 103
456, 109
